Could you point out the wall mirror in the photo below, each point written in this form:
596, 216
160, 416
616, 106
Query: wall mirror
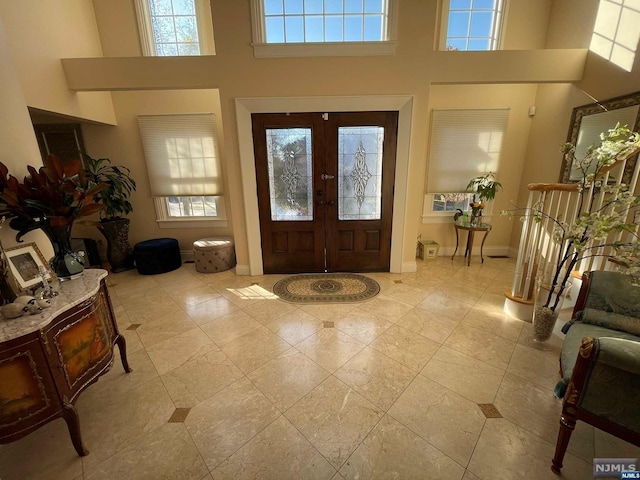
588, 121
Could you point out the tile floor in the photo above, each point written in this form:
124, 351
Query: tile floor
229, 382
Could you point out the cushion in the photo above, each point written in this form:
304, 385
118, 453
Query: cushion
612, 292
615, 321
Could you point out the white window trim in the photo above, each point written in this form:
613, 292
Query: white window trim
205, 30
444, 25
430, 216
165, 221
262, 49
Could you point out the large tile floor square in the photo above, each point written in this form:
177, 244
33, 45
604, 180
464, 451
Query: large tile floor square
387, 388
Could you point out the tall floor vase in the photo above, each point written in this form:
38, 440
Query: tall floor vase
119, 251
545, 317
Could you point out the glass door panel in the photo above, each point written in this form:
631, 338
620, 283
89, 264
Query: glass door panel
360, 172
289, 160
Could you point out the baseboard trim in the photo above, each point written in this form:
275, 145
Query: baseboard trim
409, 267
187, 256
243, 270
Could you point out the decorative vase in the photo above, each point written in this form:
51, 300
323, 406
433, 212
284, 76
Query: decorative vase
476, 217
545, 317
65, 263
118, 249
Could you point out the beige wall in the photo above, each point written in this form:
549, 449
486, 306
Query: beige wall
518, 98
235, 73
39, 34
17, 138
122, 144
571, 26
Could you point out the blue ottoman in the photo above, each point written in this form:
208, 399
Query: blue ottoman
159, 255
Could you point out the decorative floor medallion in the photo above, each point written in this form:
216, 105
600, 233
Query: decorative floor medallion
326, 288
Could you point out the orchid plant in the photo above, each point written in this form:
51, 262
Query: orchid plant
600, 227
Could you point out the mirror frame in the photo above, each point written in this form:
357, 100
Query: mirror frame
591, 109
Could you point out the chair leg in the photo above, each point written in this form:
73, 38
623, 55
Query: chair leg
567, 425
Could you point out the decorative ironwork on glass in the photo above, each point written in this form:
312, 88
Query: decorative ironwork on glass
290, 173
360, 174
290, 177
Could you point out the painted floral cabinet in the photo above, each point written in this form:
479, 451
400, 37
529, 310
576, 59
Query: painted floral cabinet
43, 371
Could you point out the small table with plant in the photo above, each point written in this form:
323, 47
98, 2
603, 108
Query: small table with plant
460, 224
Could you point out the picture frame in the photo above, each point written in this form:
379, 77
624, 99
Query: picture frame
24, 262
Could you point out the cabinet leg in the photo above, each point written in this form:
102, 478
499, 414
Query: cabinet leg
122, 346
70, 415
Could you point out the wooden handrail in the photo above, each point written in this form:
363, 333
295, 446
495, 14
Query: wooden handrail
550, 187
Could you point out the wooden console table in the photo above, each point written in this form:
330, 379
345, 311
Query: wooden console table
48, 359
483, 227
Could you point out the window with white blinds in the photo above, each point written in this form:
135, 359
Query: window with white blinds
464, 144
181, 154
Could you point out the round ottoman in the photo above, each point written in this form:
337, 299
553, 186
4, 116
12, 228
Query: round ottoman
214, 254
159, 255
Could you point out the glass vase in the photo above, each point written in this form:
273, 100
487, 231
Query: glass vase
476, 217
546, 309
65, 263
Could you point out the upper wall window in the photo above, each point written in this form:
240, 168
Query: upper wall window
323, 27
471, 24
171, 28
617, 31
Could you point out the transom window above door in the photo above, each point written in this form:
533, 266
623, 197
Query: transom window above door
323, 27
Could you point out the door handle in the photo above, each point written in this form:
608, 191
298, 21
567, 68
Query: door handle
324, 176
331, 202
320, 202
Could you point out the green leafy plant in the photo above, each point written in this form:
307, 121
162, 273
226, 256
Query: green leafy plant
484, 186
56, 194
119, 185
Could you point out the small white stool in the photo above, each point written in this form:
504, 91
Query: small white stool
214, 254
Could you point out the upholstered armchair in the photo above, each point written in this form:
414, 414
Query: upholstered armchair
600, 361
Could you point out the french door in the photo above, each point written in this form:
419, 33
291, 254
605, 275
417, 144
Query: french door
325, 190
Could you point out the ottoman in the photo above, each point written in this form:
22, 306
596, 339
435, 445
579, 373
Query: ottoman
159, 255
214, 254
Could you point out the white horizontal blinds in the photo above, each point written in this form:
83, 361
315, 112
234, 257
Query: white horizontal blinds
181, 154
464, 144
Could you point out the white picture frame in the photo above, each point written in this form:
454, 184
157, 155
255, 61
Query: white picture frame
24, 262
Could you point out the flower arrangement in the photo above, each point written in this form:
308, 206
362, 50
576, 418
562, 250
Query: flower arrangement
56, 194
597, 227
485, 186
51, 199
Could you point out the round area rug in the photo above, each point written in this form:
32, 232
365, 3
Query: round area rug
326, 288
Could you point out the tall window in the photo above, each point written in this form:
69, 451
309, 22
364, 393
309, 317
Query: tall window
464, 144
172, 27
183, 166
617, 31
323, 22
471, 24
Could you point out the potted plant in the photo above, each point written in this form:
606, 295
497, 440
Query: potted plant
115, 198
594, 229
485, 187
51, 199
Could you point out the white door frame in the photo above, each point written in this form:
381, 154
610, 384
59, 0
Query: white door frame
246, 106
